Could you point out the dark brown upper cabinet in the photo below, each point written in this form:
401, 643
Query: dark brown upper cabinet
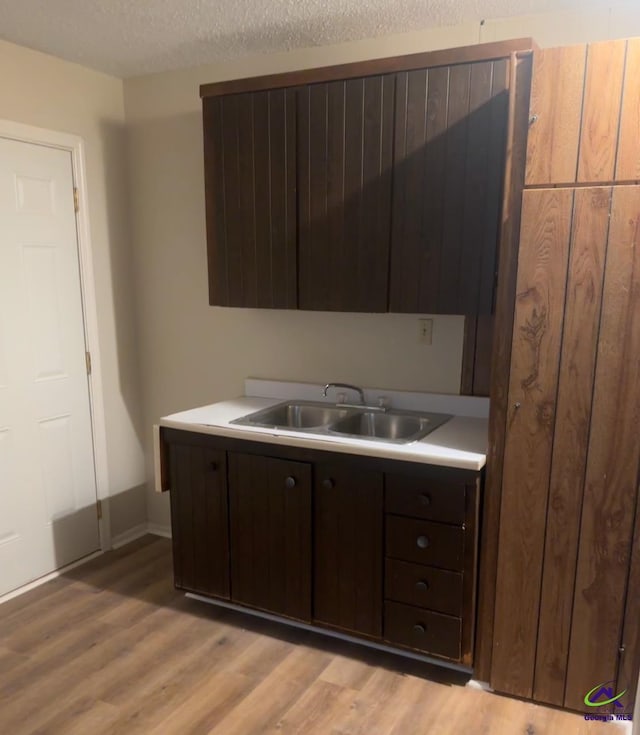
345, 158
374, 186
250, 184
450, 140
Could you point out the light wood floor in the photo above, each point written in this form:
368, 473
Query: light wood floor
111, 647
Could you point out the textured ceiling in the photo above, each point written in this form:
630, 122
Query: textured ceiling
130, 37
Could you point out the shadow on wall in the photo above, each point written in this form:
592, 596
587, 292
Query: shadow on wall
119, 236
75, 534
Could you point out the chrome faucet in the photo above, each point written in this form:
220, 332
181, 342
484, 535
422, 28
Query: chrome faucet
344, 385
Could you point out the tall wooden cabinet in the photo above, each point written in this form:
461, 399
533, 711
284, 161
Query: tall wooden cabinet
567, 555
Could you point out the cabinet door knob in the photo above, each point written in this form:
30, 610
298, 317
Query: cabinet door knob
422, 586
425, 499
422, 542
214, 466
419, 628
328, 483
290, 482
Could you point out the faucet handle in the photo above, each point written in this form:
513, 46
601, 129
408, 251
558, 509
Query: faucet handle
341, 398
383, 402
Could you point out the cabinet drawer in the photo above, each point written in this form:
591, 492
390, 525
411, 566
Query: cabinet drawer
422, 498
427, 631
433, 544
421, 586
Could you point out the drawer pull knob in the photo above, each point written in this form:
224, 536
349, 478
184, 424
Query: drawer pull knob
422, 586
422, 542
328, 483
425, 499
290, 482
419, 628
214, 466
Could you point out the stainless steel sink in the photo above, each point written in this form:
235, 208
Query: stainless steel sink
391, 426
363, 423
295, 416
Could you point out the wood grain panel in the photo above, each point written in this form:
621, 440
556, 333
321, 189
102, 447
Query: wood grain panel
556, 105
478, 186
628, 163
199, 519
250, 188
454, 186
601, 111
270, 524
535, 358
519, 93
348, 558
573, 414
612, 464
345, 149
629, 668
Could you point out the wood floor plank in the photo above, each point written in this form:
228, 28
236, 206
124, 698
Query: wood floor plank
151, 661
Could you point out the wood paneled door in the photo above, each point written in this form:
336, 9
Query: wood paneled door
345, 161
572, 456
585, 114
250, 184
348, 553
270, 522
199, 518
449, 161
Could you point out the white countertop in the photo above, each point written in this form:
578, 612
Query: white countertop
461, 442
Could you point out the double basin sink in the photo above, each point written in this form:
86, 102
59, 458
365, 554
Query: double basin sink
364, 422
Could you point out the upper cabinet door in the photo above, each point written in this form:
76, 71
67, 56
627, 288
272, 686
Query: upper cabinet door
345, 134
450, 141
250, 184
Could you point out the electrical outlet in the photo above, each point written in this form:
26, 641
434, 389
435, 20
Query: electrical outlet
425, 331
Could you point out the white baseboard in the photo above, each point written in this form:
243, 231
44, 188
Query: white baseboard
138, 531
47, 577
157, 530
129, 535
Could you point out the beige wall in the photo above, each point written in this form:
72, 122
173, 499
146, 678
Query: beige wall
40, 90
191, 353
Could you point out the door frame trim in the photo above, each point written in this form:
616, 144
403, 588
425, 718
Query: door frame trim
74, 144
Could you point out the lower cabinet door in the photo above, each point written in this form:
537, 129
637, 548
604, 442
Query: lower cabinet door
423, 630
348, 546
199, 519
270, 524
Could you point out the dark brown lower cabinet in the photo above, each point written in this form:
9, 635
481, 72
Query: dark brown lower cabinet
303, 536
270, 520
199, 512
349, 558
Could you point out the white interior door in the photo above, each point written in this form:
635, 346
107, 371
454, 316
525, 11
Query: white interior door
47, 475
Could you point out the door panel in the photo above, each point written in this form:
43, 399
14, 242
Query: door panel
270, 521
535, 360
345, 158
450, 142
250, 180
199, 519
46, 451
348, 543
611, 482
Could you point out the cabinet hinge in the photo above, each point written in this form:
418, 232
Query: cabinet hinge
99, 509
76, 200
88, 360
